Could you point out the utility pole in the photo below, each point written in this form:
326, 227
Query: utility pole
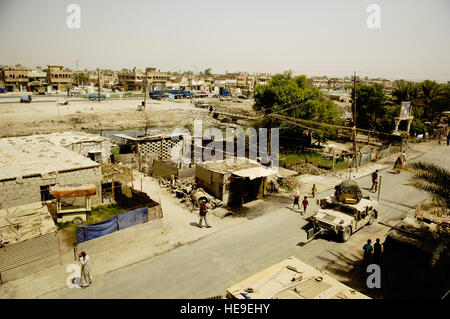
98, 84
354, 119
78, 80
145, 88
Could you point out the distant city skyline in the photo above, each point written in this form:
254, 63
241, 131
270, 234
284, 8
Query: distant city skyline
308, 37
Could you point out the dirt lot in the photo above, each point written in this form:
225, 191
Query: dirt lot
44, 116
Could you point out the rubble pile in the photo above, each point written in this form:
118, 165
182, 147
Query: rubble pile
189, 193
291, 183
307, 168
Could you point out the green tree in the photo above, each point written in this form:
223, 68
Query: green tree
434, 180
405, 91
370, 106
294, 97
80, 77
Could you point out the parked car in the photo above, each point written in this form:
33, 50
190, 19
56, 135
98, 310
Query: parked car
236, 101
94, 96
25, 99
62, 102
242, 97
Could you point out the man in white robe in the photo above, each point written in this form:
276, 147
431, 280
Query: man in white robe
86, 276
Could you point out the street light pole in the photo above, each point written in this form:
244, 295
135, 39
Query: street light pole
354, 120
145, 88
98, 84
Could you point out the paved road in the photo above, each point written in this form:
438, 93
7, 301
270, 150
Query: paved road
212, 264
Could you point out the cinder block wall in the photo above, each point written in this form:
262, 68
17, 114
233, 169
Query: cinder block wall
28, 190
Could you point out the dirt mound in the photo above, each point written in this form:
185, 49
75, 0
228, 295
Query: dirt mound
307, 168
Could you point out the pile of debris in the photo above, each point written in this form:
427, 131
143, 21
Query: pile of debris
291, 182
308, 168
189, 193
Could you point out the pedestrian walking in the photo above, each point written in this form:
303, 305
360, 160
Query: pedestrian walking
374, 181
86, 276
367, 253
403, 159
314, 190
296, 200
305, 204
377, 252
203, 211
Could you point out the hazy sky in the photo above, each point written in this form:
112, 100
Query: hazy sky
320, 37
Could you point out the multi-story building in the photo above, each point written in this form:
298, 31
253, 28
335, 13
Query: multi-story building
14, 78
58, 77
133, 79
241, 80
157, 80
37, 79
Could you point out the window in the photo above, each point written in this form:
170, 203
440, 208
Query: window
45, 193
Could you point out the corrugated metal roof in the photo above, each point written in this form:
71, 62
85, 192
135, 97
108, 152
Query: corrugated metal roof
37, 155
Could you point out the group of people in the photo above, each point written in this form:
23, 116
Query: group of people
305, 202
372, 254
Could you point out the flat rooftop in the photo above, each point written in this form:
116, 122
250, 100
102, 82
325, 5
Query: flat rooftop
38, 155
25, 222
241, 166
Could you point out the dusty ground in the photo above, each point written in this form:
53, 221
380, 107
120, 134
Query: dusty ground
42, 115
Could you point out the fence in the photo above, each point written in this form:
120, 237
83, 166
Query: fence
116, 223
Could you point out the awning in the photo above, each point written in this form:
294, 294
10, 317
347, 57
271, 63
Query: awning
73, 190
255, 172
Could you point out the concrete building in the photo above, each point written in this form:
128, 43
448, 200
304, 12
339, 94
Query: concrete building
14, 78
235, 182
132, 80
29, 166
37, 79
28, 241
92, 146
58, 77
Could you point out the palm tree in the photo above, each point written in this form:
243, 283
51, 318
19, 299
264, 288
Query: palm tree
434, 180
405, 91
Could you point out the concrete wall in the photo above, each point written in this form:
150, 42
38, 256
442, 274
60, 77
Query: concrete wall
85, 147
28, 190
212, 182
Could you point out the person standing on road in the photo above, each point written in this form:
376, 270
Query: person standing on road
374, 181
377, 252
203, 211
86, 276
367, 252
314, 190
403, 159
297, 200
305, 205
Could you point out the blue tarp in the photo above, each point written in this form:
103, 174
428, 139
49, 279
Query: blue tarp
133, 217
110, 225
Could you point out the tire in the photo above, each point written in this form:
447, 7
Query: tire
77, 220
345, 234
